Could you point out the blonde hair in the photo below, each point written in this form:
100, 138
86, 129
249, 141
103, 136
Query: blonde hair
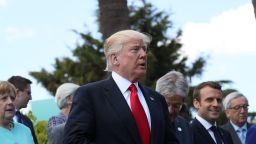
115, 42
7, 87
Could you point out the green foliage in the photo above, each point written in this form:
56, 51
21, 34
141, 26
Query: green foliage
40, 128
164, 53
88, 60
87, 65
31, 116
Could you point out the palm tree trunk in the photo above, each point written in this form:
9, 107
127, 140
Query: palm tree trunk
114, 16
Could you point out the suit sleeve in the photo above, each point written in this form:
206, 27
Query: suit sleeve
251, 135
79, 128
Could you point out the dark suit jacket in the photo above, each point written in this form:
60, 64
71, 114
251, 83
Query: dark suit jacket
228, 127
55, 135
27, 122
202, 136
183, 131
251, 135
100, 115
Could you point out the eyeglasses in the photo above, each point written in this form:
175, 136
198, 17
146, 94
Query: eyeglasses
239, 107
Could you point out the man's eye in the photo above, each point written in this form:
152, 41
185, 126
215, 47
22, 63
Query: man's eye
135, 48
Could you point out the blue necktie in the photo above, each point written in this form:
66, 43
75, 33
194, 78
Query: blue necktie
241, 133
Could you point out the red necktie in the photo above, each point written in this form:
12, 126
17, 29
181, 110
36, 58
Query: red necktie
139, 116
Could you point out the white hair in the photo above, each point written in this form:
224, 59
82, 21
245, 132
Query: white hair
63, 91
172, 83
227, 100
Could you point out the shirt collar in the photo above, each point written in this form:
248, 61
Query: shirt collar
122, 83
205, 123
237, 127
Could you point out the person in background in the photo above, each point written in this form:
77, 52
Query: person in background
120, 110
236, 109
23, 90
207, 99
11, 132
174, 87
251, 135
63, 97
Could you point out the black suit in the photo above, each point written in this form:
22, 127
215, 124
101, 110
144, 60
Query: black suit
101, 115
27, 122
229, 127
202, 136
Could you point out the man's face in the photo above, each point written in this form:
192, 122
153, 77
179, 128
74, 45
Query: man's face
210, 104
131, 61
7, 109
174, 105
23, 97
238, 111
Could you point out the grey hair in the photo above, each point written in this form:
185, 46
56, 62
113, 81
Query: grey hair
115, 42
227, 100
172, 84
63, 91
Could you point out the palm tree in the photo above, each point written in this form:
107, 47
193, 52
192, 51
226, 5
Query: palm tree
113, 16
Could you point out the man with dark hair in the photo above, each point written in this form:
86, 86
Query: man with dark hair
207, 99
23, 96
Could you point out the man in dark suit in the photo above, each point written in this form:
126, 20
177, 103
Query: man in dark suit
236, 110
23, 95
207, 99
119, 110
174, 87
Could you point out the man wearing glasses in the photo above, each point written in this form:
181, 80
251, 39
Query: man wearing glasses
174, 87
236, 110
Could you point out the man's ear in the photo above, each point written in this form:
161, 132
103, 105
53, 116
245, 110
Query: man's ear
17, 92
196, 103
114, 59
227, 112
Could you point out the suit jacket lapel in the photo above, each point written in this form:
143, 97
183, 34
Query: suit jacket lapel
152, 106
205, 134
120, 106
233, 134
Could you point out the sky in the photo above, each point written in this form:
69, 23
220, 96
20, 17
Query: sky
34, 33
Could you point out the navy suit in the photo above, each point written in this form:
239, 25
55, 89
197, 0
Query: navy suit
183, 130
229, 127
202, 136
101, 115
27, 122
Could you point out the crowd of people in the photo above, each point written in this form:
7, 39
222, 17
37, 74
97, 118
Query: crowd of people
121, 110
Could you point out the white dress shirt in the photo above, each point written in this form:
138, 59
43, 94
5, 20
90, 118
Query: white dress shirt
123, 85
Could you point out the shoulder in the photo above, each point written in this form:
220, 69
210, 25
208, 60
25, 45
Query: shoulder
147, 90
56, 120
226, 125
252, 128
21, 127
